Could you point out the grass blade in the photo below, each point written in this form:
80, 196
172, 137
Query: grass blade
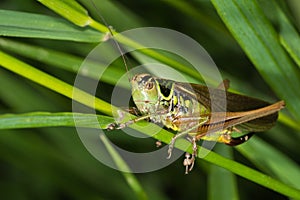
130, 178
70, 10
59, 86
21, 24
38, 119
221, 182
260, 42
53, 83
268, 160
45, 119
253, 175
65, 61
278, 13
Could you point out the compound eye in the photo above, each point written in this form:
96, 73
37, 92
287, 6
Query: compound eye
149, 85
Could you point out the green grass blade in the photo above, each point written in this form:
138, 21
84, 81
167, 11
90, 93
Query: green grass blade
59, 86
294, 6
42, 119
253, 175
189, 9
221, 182
130, 178
289, 37
278, 13
45, 119
260, 42
21, 24
232, 166
70, 10
17, 151
33, 100
127, 41
65, 119
53, 83
112, 12
65, 61
288, 121
268, 160
73, 12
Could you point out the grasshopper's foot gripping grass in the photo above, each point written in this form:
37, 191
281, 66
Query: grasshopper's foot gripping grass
189, 158
114, 126
188, 162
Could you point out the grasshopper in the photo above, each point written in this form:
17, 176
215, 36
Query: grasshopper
187, 109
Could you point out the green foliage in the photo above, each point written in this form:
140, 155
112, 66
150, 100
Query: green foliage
40, 55
30, 25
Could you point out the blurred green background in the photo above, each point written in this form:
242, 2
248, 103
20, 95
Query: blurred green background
52, 163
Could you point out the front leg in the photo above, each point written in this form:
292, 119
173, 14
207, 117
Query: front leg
114, 126
154, 117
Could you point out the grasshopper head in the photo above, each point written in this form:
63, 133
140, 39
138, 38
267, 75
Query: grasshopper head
144, 92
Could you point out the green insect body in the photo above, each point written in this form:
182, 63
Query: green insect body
186, 108
161, 100
182, 106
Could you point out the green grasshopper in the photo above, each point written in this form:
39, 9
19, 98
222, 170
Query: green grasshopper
186, 108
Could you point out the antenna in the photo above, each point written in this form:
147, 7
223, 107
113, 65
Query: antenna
112, 36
